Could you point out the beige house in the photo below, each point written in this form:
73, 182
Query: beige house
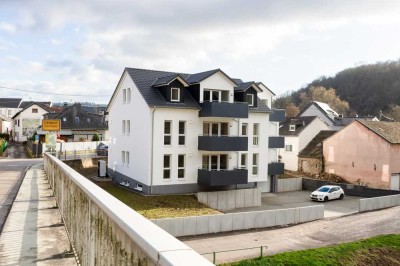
366, 152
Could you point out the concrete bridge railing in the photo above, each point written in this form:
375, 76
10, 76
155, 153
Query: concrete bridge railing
104, 231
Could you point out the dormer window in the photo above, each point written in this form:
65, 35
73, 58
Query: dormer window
292, 127
175, 95
250, 99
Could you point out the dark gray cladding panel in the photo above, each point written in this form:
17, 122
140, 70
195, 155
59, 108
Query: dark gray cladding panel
223, 109
222, 178
276, 142
223, 143
276, 168
278, 115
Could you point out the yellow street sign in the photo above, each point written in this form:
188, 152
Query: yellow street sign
51, 124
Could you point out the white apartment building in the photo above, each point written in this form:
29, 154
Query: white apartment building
10, 106
184, 133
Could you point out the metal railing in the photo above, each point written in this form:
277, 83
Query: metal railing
214, 253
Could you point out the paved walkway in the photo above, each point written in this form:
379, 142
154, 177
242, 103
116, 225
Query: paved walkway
34, 233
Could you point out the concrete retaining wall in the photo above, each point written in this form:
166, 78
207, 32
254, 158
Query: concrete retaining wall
379, 203
231, 199
349, 189
199, 225
290, 184
104, 231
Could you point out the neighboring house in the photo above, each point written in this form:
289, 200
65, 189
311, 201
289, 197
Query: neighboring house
10, 106
183, 133
77, 125
25, 104
311, 158
26, 122
334, 120
5, 124
365, 152
298, 132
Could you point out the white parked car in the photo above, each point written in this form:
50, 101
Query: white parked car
326, 193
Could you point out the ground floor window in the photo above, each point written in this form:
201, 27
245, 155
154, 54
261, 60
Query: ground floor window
181, 166
167, 167
255, 164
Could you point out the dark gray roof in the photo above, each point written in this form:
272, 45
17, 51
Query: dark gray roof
244, 86
166, 80
261, 107
389, 131
196, 78
347, 120
10, 102
43, 106
314, 147
24, 104
144, 79
238, 81
299, 122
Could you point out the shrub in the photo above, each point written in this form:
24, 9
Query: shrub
95, 137
5, 136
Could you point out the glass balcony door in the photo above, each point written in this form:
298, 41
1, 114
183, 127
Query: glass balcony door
215, 129
215, 162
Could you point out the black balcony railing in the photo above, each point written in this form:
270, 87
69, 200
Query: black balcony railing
277, 115
223, 143
276, 168
221, 177
276, 142
224, 109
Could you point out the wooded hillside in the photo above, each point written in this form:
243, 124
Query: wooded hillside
367, 88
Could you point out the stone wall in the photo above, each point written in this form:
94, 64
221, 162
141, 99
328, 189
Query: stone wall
310, 165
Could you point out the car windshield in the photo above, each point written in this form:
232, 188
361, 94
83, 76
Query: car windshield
323, 189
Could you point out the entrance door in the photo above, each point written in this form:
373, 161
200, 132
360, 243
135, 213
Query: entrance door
395, 182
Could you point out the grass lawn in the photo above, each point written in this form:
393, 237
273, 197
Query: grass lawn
154, 207
380, 250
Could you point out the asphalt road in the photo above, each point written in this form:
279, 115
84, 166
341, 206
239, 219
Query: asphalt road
315, 234
12, 170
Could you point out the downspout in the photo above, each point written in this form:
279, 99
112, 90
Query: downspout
152, 151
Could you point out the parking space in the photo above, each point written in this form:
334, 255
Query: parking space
294, 199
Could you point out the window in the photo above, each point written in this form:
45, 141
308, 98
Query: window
128, 95
167, 167
292, 127
123, 126
244, 129
88, 119
64, 119
256, 129
34, 110
128, 127
215, 162
9, 113
76, 119
175, 95
215, 129
181, 166
167, 132
243, 160
124, 96
125, 158
288, 147
182, 130
215, 96
254, 170
250, 99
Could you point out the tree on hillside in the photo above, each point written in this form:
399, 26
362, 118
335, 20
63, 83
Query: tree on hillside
328, 96
292, 110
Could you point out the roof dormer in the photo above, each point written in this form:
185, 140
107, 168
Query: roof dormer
247, 92
171, 87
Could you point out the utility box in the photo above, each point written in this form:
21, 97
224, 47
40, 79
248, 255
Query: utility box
101, 168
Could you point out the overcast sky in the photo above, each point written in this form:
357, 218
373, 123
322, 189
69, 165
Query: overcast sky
81, 47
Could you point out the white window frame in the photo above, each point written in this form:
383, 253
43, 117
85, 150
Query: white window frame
124, 96
168, 134
128, 127
35, 110
246, 126
210, 125
211, 95
9, 113
123, 126
183, 135
182, 167
292, 127
125, 158
254, 168
256, 134
167, 168
218, 162
289, 148
243, 166
179, 95
252, 99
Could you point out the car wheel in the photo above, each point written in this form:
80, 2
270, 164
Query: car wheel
326, 199
341, 196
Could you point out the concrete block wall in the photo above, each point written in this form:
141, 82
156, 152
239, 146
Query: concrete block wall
379, 203
199, 225
231, 199
290, 184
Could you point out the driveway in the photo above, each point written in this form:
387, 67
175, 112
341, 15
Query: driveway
315, 234
294, 199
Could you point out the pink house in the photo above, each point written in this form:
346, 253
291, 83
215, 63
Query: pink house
365, 152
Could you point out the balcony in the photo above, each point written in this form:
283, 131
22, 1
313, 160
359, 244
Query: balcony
276, 168
276, 142
277, 115
221, 178
223, 143
224, 109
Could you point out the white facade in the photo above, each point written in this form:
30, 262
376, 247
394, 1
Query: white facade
266, 95
27, 121
294, 144
137, 150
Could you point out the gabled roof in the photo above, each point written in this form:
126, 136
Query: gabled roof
260, 83
43, 106
314, 148
324, 108
10, 102
347, 120
162, 81
300, 124
390, 131
198, 77
246, 85
24, 104
238, 81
